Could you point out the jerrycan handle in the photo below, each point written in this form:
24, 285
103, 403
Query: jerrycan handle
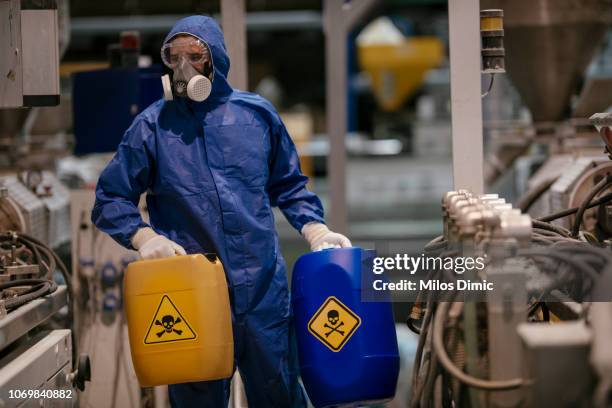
211, 256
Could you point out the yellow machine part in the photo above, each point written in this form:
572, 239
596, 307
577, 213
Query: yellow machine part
491, 23
179, 320
397, 71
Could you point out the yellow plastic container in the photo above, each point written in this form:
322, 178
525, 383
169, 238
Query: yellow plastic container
179, 320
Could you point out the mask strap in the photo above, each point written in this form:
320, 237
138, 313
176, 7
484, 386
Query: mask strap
167, 87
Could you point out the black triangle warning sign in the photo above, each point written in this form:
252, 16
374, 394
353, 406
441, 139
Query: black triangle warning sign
168, 324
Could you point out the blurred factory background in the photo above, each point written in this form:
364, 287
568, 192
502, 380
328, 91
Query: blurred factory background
541, 153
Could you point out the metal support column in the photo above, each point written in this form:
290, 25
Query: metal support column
466, 101
233, 20
339, 17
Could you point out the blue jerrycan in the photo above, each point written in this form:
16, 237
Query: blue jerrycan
347, 348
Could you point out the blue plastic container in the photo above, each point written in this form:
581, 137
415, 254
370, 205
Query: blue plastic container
347, 348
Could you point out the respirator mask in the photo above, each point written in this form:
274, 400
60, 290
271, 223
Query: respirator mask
191, 63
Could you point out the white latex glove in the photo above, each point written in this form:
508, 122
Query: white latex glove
320, 237
151, 245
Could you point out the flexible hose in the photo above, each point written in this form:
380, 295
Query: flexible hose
40, 288
36, 292
444, 359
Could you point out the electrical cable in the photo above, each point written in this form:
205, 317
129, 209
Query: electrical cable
435, 245
47, 253
436, 240
411, 325
416, 387
546, 232
602, 200
580, 265
429, 248
552, 236
490, 86
67, 280
571, 261
580, 246
553, 228
432, 373
599, 187
446, 362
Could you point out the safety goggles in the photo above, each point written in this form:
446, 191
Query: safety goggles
192, 50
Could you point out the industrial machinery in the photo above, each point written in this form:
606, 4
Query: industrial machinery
29, 50
39, 355
541, 336
39, 359
38, 203
549, 45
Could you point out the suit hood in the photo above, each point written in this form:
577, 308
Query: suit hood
206, 29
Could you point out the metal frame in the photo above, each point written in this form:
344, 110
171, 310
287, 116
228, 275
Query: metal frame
20, 321
339, 17
233, 20
466, 100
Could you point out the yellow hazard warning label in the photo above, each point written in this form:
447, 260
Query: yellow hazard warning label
168, 324
333, 324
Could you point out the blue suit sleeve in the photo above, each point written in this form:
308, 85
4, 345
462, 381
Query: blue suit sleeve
287, 184
121, 183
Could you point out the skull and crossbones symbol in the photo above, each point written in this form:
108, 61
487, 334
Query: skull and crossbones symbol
168, 322
333, 317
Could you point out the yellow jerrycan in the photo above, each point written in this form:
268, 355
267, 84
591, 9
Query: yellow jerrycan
179, 320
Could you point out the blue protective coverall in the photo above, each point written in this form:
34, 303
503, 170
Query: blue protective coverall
212, 171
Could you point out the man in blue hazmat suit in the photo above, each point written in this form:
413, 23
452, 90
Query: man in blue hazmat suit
214, 161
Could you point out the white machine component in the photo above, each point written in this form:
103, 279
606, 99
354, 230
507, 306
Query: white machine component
32, 208
45, 206
56, 199
550, 349
43, 367
562, 191
29, 53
